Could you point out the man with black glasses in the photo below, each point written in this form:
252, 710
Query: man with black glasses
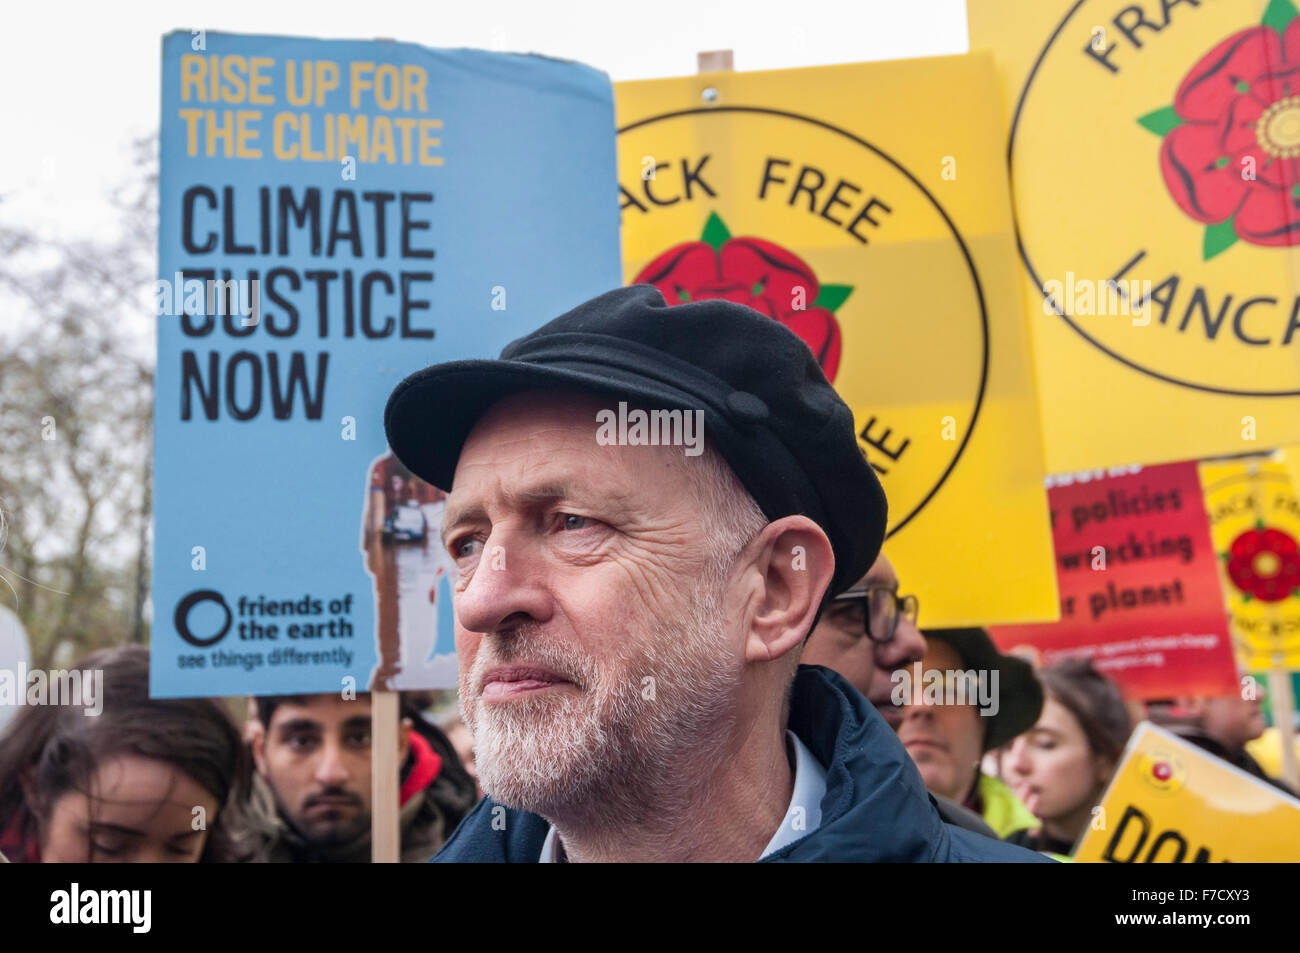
867, 633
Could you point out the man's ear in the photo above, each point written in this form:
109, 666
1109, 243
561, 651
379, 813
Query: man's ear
258, 745
404, 739
794, 563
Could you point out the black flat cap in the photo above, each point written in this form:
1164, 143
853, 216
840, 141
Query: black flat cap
1020, 695
768, 407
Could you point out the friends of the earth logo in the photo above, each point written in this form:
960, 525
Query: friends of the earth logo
1157, 145
833, 237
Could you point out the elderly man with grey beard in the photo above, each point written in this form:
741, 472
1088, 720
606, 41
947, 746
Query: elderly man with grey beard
630, 616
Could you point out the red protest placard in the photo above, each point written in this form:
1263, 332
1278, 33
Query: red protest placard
1140, 593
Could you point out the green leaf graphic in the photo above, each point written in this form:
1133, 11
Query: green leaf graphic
715, 233
1160, 121
832, 296
1279, 14
1218, 238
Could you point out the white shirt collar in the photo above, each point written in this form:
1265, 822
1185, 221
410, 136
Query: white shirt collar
803, 816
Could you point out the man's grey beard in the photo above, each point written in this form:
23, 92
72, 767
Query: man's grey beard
607, 754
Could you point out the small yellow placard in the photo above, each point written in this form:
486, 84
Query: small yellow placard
1254, 513
1170, 802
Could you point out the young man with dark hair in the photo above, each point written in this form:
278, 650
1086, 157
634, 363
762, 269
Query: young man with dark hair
310, 797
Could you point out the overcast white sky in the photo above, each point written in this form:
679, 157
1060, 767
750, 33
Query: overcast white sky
78, 81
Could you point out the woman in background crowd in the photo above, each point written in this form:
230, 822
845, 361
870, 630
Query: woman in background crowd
1061, 766
141, 780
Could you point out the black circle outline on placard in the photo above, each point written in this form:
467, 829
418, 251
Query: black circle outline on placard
1224, 482
181, 617
961, 243
1038, 283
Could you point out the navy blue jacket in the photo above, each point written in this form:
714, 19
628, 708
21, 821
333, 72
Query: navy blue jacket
876, 808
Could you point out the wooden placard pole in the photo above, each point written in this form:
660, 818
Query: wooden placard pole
385, 834
1283, 704
714, 61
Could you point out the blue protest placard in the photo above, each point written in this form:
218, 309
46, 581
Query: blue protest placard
334, 216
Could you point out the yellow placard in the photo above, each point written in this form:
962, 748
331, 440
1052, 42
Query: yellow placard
1154, 145
1254, 513
866, 207
1170, 802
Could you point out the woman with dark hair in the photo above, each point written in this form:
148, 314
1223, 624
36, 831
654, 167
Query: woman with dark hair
141, 780
1061, 766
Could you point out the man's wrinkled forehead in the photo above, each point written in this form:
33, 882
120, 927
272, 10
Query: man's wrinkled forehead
532, 448
548, 419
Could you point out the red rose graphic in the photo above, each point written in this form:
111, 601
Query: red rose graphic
1264, 564
763, 275
1231, 151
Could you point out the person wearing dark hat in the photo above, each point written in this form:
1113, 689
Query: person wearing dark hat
631, 601
964, 699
